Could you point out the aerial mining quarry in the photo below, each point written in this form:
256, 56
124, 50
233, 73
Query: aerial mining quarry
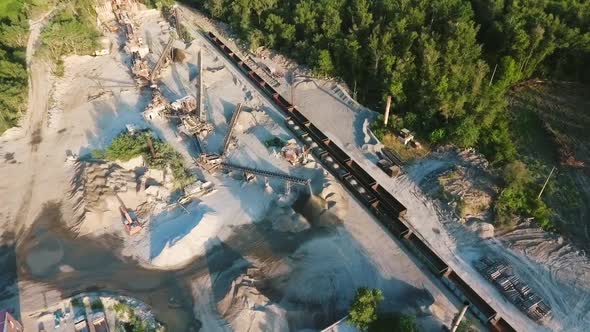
261, 201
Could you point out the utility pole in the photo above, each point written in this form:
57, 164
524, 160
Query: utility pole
386, 116
292, 96
459, 317
546, 181
151, 146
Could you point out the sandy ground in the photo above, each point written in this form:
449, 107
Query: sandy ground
248, 253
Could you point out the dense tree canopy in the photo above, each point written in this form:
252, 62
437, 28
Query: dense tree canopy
13, 73
435, 58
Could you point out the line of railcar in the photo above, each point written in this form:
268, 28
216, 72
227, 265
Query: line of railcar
364, 187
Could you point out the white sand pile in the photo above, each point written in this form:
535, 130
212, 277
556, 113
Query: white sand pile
305, 84
247, 309
175, 237
247, 121
336, 198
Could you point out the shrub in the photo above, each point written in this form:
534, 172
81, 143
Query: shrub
77, 302
97, 305
363, 310
127, 146
394, 322
519, 198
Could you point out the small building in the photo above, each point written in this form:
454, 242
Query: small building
405, 136
8, 323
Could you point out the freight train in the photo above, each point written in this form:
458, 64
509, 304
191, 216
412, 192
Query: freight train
388, 210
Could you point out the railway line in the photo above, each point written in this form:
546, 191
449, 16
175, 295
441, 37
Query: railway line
388, 210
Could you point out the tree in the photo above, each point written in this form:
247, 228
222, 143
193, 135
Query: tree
363, 310
306, 17
362, 18
14, 36
516, 174
323, 63
260, 6
216, 7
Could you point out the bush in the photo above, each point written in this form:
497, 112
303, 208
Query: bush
13, 72
126, 146
97, 305
98, 154
363, 310
394, 322
519, 198
59, 69
77, 302
467, 326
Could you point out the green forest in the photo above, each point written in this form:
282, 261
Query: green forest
13, 71
448, 65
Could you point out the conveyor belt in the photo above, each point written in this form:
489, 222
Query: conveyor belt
260, 172
232, 123
198, 144
160, 62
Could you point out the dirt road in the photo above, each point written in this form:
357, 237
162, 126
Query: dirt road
31, 177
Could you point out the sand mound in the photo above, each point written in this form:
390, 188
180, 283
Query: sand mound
336, 198
483, 229
177, 237
246, 308
306, 84
287, 220
248, 120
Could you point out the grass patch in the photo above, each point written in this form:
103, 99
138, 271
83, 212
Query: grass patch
394, 322
563, 108
529, 134
406, 152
